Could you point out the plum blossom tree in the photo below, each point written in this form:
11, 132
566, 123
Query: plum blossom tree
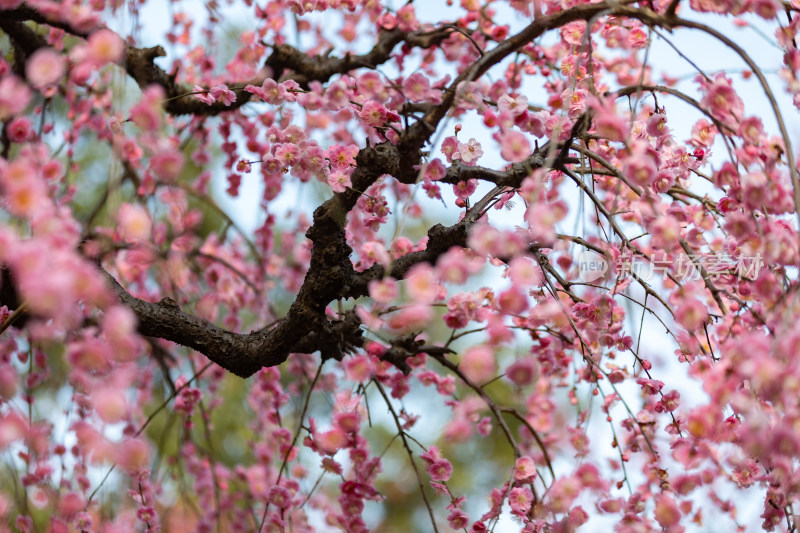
427, 347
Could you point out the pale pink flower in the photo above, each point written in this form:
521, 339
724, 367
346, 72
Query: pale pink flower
469, 95
464, 189
14, 96
450, 149
383, 291
515, 106
458, 519
664, 233
25, 193
641, 169
132, 454
512, 302
514, 146
359, 368
721, 99
666, 511
751, 129
414, 317
691, 313
703, 134
20, 130
105, 46
524, 469
421, 283
440, 470
332, 441
524, 272
542, 217
572, 32
536, 123
373, 114
339, 181
109, 403
478, 364
45, 67
470, 151
375, 252
341, 157
135, 224
520, 500
167, 164
407, 19
416, 87
223, 94
8, 379
522, 372
637, 38
203, 95
280, 497
657, 125
371, 84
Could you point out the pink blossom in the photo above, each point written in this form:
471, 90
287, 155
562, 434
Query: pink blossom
20, 130
279, 497
478, 364
721, 99
666, 513
524, 272
331, 441
414, 317
611, 126
515, 106
373, 114
522, 372
542, 217
637, 38
341, 157
470, 151
641, 169
14, 96
514, 146
407, 19
450, 149
167, 164
464, 189
339, 181
657, 125
223, 94
383, 291
524, 469
105, 46
440, 470
359, 368
469, 94
664, 233
691, 314
134, 222
45, 67
703, 133
203, 95
416, 87
375, 252
520, 500
421, 283
458, 519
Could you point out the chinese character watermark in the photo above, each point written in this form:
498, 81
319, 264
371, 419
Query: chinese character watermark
683, 268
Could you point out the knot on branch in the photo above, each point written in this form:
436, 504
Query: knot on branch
407, 346
333, 338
